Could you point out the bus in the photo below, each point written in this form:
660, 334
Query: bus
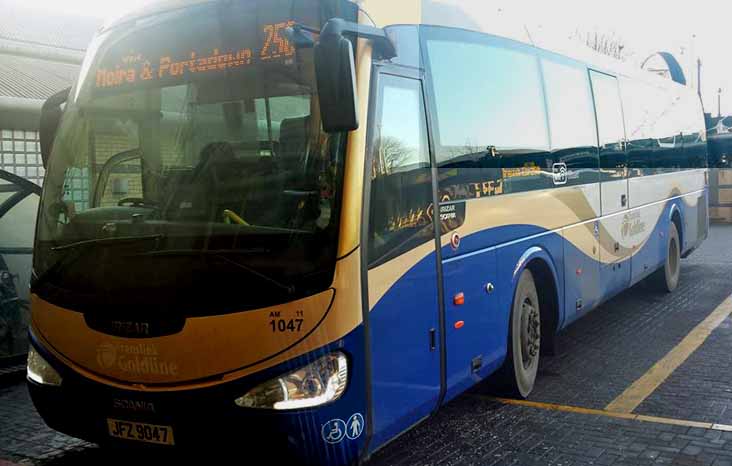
302, 226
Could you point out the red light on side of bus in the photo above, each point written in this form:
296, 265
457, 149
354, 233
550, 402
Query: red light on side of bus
459, 324
459, 299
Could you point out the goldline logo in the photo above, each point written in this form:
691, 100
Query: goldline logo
137, 359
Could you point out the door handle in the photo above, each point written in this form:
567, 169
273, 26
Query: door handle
623, 200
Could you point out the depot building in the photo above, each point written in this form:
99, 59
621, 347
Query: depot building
40, 54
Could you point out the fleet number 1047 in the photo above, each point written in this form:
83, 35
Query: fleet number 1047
287, 325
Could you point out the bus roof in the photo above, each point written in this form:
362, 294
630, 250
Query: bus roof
464, 14
153, 8
474, 15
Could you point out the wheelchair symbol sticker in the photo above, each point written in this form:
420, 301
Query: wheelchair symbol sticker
354, 426
333, 431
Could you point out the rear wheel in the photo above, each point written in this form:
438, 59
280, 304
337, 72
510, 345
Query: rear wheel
518, 373
667, 277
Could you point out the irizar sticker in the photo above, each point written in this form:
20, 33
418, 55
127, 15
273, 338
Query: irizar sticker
335, 430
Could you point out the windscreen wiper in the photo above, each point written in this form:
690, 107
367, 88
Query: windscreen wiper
222, 255
108, 241
79, 248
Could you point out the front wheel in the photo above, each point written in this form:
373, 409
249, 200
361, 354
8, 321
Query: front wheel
522, 361
667, 277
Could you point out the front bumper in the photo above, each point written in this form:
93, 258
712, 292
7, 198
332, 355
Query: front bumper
202, 418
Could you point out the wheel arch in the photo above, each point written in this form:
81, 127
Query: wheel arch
675, 215
540, 263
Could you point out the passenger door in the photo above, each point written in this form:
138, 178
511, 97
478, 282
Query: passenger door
614, 253
402, 257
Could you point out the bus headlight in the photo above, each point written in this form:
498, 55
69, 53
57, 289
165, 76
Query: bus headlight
317, 383
40, 371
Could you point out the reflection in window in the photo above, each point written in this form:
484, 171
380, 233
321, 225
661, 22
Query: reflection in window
400, 145
485, 96
17, 226
609, 111
571, 117
401, 186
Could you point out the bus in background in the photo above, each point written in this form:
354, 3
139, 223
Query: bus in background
303, 226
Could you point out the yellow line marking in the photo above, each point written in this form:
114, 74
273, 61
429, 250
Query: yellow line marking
616, 415
656, 375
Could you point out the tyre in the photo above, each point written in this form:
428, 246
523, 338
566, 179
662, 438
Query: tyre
518, 373
667, 277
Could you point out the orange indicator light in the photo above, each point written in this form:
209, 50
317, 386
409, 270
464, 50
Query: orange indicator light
459, 324
459, 299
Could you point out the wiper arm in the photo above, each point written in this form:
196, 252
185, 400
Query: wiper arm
81, 247
107, 241
288, 288
221, 254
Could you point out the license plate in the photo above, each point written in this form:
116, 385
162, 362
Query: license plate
149, 433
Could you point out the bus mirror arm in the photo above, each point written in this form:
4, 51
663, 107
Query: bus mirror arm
50, 119
382, 43
301, 36
335, 70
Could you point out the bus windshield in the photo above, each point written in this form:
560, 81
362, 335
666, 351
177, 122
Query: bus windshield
191, 159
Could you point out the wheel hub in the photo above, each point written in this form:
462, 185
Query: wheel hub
530, 332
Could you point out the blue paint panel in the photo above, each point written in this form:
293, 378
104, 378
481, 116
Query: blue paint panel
304, 427
614, 278
653, 253
481, 315
486, 316
406, 373
406, 378
581, 282
493, 237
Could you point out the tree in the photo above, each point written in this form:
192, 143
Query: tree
393, 153
608, 44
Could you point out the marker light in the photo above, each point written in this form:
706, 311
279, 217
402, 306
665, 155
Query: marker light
316, 384
40, 371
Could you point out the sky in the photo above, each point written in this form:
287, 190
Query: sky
686, 29
689, 30
92, 8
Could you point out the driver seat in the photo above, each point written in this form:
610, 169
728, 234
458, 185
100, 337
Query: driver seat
294, 138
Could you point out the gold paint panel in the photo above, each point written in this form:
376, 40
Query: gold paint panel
382, 278
388, 12
350, 228
724, 176
725, 196
550, 209
208, 346
583, 238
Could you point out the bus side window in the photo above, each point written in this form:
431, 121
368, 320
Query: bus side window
401, 181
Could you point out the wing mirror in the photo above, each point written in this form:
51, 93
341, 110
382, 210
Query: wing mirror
51, 113
335, 68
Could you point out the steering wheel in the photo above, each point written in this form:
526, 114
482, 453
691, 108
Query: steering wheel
132, 202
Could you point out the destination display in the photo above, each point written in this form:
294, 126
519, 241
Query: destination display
137, 66
211, 41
